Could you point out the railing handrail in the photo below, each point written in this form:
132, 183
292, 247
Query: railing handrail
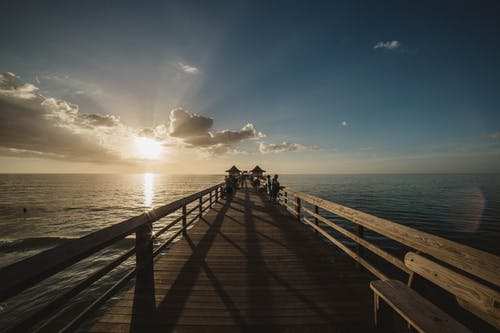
473, 261
23, 274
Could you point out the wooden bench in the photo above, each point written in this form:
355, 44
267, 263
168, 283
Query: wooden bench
394, 296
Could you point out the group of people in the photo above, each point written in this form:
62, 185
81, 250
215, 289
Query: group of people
231, 184
272, 185
273, 188
243, 180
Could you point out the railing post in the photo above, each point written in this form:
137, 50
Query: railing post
316, 211
184, 216
144, 274
200, 205
416, 282
144, 246
286, 197
210, 199
360, 231
297, 208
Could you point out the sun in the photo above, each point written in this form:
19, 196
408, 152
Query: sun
148, 148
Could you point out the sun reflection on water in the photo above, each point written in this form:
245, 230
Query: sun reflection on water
471, 211
149, 182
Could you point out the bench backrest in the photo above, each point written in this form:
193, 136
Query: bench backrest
473, 296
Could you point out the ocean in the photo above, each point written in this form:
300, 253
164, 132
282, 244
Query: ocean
38, 212
460, 207
62, 207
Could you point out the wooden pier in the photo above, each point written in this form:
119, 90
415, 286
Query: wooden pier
242, 264
247, 265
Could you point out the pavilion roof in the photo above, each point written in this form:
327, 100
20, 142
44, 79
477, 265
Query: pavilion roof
257, 169
233, 169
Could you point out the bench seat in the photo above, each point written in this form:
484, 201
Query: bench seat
415, 309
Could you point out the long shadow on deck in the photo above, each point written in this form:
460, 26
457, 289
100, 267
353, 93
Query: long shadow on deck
149, 319
260, 276
334, 315
256, 267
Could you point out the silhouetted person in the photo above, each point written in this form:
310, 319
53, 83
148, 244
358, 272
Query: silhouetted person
275, 188
244, 177
229, 186
268, 186
234, 182
255, 181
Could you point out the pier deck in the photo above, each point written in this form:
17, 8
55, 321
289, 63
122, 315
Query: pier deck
247, 265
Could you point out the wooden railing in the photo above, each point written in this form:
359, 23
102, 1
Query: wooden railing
474, 263
26, 273
468, 259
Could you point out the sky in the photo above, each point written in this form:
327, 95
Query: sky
294, 86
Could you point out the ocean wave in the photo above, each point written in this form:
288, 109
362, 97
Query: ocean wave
29, 244
43, 243
87, 208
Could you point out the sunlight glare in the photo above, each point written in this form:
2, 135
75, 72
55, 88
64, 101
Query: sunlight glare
148, 148
149, 182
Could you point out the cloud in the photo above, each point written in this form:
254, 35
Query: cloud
219, 150
70, 84
188, 69
13, 152
194, 131
495, 135
229, 137
13, 86
184, 124
344, 123
284, 147
36, 126
159, 133
30, 129
388, 45
32, 125
93, 120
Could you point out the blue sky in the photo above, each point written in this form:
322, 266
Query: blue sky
350, 86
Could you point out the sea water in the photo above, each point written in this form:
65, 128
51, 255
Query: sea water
460, 207
38, 212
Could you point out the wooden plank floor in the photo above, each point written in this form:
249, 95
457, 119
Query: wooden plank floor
246, 266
